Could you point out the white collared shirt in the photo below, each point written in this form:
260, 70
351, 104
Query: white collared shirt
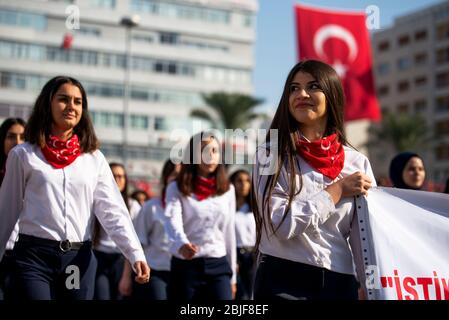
105, 243
209, 224
315, 231
245, 227
59, 204
150, 227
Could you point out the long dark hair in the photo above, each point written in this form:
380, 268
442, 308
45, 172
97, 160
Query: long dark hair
189, 168
167, 170
40, 121
6, 125
233, 178
287, 128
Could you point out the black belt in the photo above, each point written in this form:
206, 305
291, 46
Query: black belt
244, 250
64, 245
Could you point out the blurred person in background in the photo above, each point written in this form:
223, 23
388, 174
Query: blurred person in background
12, 133
407, 171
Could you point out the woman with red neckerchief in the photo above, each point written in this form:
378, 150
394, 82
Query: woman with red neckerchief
303, 198
200, 210
57, 182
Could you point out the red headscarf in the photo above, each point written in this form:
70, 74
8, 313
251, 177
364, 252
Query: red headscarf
61, 153
325, 155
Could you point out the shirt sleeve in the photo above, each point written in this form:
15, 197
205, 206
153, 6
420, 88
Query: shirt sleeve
174, 224
311, 210
114, 217
12, 194
144, 223
231, 243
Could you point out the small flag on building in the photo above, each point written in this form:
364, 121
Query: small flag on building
67, 41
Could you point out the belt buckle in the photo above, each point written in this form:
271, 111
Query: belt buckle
65, 245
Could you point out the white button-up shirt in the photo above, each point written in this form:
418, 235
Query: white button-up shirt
150, 227
209, 224
315, 231
105, 243
245, 227
59, 204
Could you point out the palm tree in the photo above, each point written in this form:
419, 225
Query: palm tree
235, 110
404, 132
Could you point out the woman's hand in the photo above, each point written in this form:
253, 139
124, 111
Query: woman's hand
188, 250
125, 286
353, 185
233, 290
142, 271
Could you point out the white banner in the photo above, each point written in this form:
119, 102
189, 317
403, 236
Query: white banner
405, 244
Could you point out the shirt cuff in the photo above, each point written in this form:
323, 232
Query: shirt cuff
176, 245
138, 255
321, 206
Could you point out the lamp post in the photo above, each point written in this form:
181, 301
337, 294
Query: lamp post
128, 23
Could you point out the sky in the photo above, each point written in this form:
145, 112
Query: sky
275, 50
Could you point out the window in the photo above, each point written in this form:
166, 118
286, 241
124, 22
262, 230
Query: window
23, 19
383, 46
420, 81
442, 127
109, 4
89, 31
442, 151
420, 106
139, 121
420, 58
160, 124
442, 104
403, 40
442, 55
443, 31
403, 63
442, 79
420, 35
383, 91
383, 68
403, 86
168, 38
403, 108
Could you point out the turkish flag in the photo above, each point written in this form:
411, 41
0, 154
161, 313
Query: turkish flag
67, 41
341, 40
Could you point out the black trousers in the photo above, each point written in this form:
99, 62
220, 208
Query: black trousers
200, 279
278, 278
109, 271
45, 272
155, 289
6, 267
246, 274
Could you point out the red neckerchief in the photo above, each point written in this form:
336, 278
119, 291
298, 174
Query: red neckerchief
204, 187
61, 153
325, 155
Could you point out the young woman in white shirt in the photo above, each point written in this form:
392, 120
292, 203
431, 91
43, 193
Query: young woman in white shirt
304, 186
109, 258
56, 183
245, 231
12, 133
200, 208
150, 227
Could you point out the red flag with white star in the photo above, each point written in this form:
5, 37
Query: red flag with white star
341, 39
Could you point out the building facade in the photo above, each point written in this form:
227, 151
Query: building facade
411, 64
179, 50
